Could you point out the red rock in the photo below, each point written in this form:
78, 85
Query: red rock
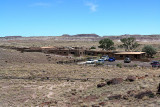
131, 78
115, 81
140, 95
142, 77
101, 85
131, 93
95, 106
146, 75
102, 103
115, 97
158, 92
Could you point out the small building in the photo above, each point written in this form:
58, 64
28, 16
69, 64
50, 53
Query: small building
80, 51
46, 49
131, 55
96, 53
76, 51
32, 49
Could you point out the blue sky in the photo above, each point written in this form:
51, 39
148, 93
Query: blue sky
57, 17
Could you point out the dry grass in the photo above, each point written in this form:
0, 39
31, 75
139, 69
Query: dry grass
53, 42
34, 92
73, 89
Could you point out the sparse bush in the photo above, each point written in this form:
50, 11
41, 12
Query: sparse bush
150, 50
98, 64
83, 75
135, 65
93, 47
119, 65
100, 55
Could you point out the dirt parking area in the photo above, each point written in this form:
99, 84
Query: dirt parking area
132, 63
121, 63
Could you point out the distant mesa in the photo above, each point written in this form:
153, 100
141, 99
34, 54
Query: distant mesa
138, 37
66, 35
12, 37
81, 35
86, 35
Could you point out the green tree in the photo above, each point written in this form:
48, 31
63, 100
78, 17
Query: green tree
150, 50
129, 44
106, 44
93, 47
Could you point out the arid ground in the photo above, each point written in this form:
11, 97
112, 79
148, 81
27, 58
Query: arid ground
35, 79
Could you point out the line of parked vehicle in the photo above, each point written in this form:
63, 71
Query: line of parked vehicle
102, 60
112, 59
106, 58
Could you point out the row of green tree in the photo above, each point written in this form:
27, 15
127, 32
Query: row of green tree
129, 44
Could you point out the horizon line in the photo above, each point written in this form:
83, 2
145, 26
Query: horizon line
75, 35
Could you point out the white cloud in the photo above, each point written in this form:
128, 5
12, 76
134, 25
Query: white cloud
92, 6
41, 4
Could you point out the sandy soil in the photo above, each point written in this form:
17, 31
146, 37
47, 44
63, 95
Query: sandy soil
30, 79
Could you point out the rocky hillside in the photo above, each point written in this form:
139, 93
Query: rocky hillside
81, 35
94, 37
86, 37
138, 37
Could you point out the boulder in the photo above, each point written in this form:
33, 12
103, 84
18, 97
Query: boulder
131, 78
149, 94
47, 78
158, 91
115, 97
115, 81
146, 75
102, 103
101, 85
131, 93
141, 77
95, 106
125, 97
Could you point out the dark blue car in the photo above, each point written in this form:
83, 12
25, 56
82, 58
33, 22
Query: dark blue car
111, 59
155, 64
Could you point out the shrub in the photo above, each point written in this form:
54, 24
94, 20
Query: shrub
98, 64
119, 65
150, 50
135, 65
106, 44
100, 55
93, 47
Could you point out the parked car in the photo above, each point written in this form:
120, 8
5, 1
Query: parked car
127, 60
155, 64
100, 61
105, 58
90, 61
111, 59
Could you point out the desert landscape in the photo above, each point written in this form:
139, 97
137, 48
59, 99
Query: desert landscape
36, 79
79, 53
